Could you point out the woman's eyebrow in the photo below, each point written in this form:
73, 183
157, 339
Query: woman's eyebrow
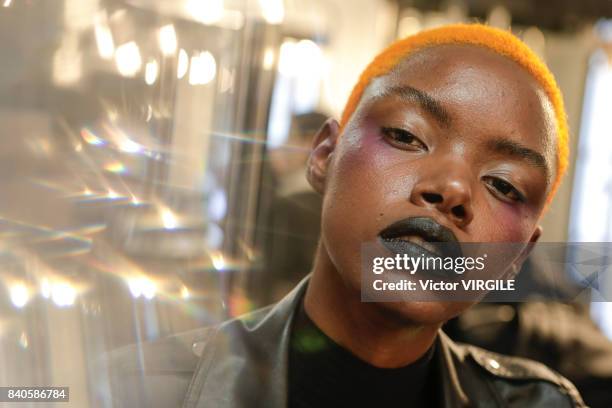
498, 145
511, 148
425, 101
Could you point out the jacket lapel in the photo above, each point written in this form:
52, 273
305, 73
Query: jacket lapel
245, 364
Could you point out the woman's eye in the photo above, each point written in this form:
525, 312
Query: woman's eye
505, 189
403, 138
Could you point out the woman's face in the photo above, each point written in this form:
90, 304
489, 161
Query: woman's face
455, 134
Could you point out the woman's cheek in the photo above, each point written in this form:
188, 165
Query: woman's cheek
362, 161
510, 225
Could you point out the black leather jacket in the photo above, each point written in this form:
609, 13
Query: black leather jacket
243, 363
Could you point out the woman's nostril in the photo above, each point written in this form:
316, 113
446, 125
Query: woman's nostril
432, 198
458, 211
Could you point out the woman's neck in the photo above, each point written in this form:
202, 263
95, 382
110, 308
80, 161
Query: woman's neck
371, 331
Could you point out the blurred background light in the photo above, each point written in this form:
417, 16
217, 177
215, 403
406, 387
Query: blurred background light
104, 38
129, 146
67, 62
90, 137
128, 59
410, 22
115, 167
142, 286
534, 38
19, 294
226, 80
151, 71
167, 40
309, 57
217, 205
268, 58
185, 292
409, 25
205, 11
301, 58
218, 261
63, 294
79, 14
214, 236
169, 219
499, 17
45, 285
273, 11
203, 68
183, 64
23, 340
287, 61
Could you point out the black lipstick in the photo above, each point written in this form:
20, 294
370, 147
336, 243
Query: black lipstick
441, 241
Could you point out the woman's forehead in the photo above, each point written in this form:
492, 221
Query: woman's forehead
466, 69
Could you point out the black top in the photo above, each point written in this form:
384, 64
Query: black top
323, 374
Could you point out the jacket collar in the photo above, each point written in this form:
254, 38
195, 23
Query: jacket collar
244, 362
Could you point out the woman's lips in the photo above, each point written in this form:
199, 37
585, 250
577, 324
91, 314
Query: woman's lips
413, 250
419, 241
424, 233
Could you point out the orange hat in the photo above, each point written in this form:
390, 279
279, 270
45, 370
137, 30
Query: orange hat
500, 41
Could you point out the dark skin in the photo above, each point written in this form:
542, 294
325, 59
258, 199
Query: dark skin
456, 133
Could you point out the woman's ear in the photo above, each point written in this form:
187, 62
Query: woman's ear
323, 146
515, 268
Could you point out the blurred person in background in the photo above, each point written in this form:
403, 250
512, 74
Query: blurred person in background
295, 212
418, 145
